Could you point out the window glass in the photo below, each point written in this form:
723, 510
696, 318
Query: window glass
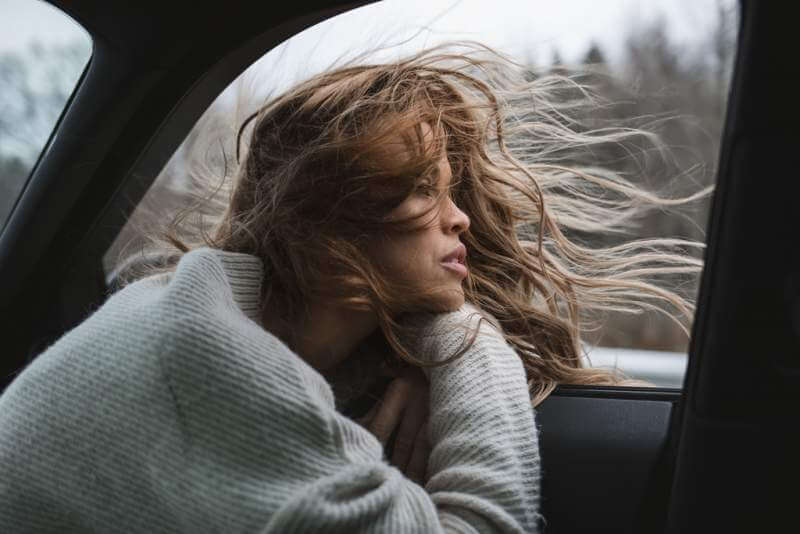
42, 55
666, 62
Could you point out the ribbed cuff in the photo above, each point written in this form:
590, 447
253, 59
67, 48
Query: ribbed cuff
244, 274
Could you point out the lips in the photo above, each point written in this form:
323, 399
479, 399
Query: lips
458, 255
454, 262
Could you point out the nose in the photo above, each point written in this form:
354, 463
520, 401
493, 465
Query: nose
454, 220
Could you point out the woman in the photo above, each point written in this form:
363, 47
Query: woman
411, 217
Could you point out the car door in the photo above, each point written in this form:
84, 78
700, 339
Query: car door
737, 425
712, 457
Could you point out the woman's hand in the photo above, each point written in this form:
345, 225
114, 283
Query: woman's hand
404, 409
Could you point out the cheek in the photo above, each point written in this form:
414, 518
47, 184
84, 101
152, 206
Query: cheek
406, 256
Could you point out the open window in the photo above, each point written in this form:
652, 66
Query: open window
666, 67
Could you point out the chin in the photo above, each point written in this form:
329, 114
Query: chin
452, 301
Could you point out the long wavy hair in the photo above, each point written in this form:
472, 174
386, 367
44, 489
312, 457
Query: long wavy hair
311, 191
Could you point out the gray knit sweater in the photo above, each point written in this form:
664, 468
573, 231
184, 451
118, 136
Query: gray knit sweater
171, 409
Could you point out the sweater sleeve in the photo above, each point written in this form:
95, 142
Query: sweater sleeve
266, 431
484, 467
172, 410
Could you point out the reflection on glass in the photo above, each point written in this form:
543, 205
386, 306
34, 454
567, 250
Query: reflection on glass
42, 55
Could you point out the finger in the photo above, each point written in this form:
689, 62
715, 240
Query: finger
389, 411
413, 420
418, 465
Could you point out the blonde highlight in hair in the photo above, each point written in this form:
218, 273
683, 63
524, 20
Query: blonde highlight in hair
311, 190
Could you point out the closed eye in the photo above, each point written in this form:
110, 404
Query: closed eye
427, 189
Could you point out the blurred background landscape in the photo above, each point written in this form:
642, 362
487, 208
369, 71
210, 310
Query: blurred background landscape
673, 80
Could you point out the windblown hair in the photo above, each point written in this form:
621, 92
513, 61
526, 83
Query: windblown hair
311, 192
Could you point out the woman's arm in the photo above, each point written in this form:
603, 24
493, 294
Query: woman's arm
484, 466
169, 410
399, 407
323, 472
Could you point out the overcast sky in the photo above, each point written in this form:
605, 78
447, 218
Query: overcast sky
538, 25
530, 30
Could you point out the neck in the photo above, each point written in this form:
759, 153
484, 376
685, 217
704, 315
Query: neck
326, 336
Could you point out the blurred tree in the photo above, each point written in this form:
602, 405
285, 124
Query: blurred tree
557, 63
594, 56
34, 86
682, 93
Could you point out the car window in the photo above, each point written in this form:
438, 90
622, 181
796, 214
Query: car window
42, 54
667, 63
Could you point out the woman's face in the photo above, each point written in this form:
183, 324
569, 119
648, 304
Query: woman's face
432, 258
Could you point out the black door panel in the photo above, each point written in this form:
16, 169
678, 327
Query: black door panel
603, 452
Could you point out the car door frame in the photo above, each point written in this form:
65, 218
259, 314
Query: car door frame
86, 182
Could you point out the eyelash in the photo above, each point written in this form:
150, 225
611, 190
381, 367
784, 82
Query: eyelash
427, 190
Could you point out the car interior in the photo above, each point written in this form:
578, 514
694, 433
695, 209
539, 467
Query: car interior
718, 455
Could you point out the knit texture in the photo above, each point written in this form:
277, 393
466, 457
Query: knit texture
170, 409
